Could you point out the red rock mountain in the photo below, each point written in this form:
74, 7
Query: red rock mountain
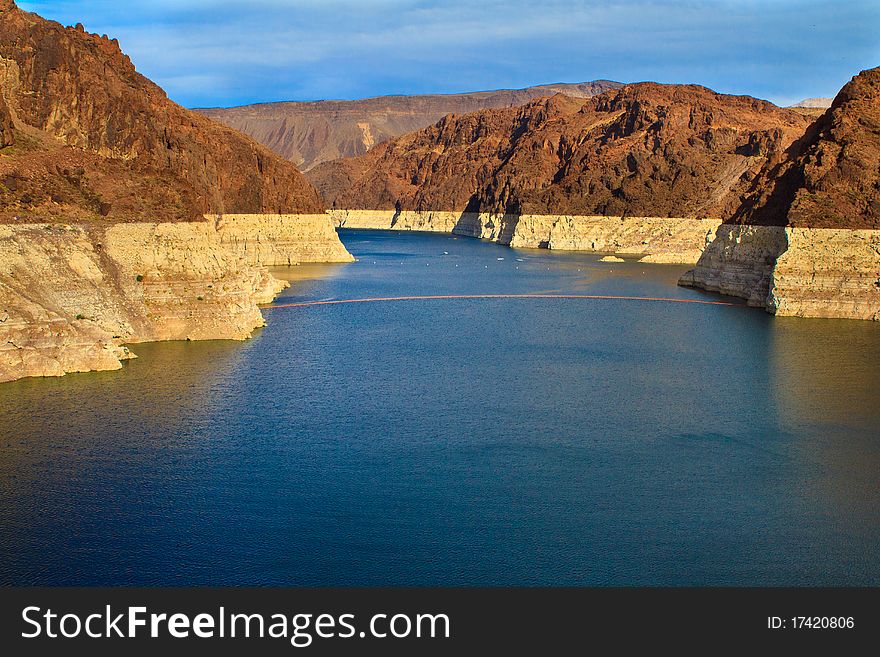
643, 150
308, 133
94, 137
831, 177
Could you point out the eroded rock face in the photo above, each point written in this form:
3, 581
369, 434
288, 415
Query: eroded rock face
739, 262
645, 150
280, 239
831, 177
828, 272
806, 241
309, 133
83, 92
70, 296
652, 239
800, 272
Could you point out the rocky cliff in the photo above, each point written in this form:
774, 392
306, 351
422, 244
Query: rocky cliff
280, 240
805, 241
71, 296
801, 272
7, 126
651, 239
308, 133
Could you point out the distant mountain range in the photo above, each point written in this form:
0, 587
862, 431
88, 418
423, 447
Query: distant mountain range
812, 107
308, 133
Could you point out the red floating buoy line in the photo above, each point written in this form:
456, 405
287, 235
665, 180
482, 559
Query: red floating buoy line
435, 297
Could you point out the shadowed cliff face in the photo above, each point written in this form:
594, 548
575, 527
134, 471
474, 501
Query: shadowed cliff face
831, 177
99, 139
643, 150
807, 242
308, 133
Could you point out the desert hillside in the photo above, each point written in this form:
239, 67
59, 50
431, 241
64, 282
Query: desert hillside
643, 150
308, 133
92, 137
831, 177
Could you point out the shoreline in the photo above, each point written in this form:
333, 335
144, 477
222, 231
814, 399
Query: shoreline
73, 296
666, 240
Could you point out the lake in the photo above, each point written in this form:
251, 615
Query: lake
459, 442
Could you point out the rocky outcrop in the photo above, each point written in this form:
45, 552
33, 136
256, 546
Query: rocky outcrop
309, 133
827, 272
652, 239
75, 89
72, 295
739, 262
645, 150
828, 179
805, 241
801, 272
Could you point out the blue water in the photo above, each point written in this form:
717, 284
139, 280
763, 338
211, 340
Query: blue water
482, 442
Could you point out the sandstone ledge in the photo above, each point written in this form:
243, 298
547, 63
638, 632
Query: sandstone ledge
653, 239
71, 296
280, 239
801, 272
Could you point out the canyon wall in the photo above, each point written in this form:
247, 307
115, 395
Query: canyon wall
280, 239
801, 272
84, 92
645, 150
104, 188
72, 295
804, 241
653, 239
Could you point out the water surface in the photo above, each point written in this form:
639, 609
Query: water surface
494, 442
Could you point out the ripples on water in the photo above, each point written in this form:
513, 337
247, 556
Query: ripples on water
458, 442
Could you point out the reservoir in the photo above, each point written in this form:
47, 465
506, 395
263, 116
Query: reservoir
482, 441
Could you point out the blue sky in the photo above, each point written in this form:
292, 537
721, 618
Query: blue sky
232, 52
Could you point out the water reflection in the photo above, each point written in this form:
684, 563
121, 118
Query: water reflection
825, 388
